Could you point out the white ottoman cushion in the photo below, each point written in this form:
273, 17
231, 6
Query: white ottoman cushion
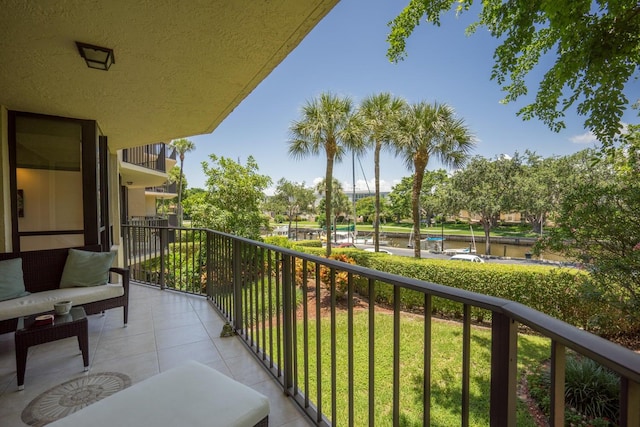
189, 395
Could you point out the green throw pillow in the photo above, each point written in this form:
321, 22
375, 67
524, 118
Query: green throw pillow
85, 268
11, 279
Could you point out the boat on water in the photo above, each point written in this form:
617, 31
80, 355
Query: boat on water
459, 251
428, 243
339, 237
470, 250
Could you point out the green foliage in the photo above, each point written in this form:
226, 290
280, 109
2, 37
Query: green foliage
485, 188
329, 126
539, 187
431, 196
380, 113
182, 146
594, 49
591, 392
290, 199
425, 131
597, 223
234, 193
400, 198
564, 293
314, 243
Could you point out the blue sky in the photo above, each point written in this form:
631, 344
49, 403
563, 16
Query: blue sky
346, 54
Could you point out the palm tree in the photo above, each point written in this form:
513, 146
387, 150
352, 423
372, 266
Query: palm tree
328, 124
182, 146
427, 130
339, 204
380, 113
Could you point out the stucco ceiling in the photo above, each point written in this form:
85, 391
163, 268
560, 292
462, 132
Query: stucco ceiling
181, 66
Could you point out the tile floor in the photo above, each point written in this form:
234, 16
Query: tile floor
165, 328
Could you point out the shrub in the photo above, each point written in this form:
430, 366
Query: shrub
591, 392
564, 293
341, 277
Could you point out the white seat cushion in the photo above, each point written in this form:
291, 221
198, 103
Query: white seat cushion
191, 395
39, 302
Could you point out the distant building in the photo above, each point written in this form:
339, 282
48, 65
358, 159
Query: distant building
361, 194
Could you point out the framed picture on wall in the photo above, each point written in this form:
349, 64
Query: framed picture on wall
20, 203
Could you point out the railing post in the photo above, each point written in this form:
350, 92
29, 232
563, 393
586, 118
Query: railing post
237, 284
209, 266
504, 352
163, 242
287, 326
558, 367
629, 411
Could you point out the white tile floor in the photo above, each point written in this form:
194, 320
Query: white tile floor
165, 328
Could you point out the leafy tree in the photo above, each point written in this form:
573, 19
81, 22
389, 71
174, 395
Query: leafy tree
400, 199
234, 194
484, 188
597, 223
596, 44
182, 146
366, 207
379, 114
540, 186
427, 130
193, 197
328, 124
431, 202
292, 198
430, 198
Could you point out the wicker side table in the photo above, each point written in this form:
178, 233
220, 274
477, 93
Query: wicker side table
28, 335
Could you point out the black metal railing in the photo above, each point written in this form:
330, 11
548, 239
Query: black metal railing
297, 313
171, 188
151, 156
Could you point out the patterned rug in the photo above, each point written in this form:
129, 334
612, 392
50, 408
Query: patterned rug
71, 396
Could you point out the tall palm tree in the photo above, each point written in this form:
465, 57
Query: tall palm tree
182, 146
328, 124
426, 130
379, 114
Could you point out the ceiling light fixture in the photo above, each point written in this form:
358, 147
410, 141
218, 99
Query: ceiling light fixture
96, 57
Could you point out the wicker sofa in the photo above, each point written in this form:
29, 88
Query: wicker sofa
42, 271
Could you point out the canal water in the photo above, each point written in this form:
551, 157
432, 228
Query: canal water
497, 249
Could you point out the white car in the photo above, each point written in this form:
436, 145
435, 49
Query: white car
467, 257
380, 251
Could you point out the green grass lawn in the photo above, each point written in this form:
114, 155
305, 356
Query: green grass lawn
446, 370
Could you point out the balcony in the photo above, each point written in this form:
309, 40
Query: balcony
166, 191
260, 289
146, 166
284, 345
151, 156
165, 328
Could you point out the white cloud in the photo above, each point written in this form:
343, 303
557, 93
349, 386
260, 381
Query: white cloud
585, 138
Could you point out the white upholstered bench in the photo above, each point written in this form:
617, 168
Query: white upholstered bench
189, 395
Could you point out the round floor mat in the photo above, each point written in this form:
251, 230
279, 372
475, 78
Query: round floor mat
71, 396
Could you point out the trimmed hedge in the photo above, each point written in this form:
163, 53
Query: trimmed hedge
563, 293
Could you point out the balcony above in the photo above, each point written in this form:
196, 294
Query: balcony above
166, 191
144, 166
